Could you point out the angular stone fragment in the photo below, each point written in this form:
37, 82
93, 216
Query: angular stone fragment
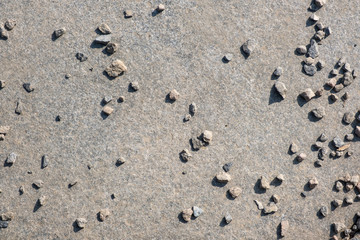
324, 211
327, 31
116, 68
44, 161
19, 107
314, 17
228, 57
21, 190
160, 7
174, 95
28, 87
192, 109
120, 161
322, 153
270, 208
197, 144
207, 136
135, 86
103, 214
128, 13
185, 155
313, 182
42, 200
108, 110
2, 84
107, 99
249, 46
59, 32
284, 226
338, 87
38, 183
354, 179
332, 82
11, 158
357, 131
264, 183
319, 112
104, 28
301, 49
275, 198
320, 3
310, 69
309, 61
280, 177
318, 145
8, 216
320, 35
10, 24
336, 203
320, 26
281, 89
349, 200
347, 67
346, 96
313, 50
294, 148
278, 72
228, 218
307, 94
3, 33
186, 214
334, 72
338, 142
81, 57
81, 222
223, 177
111, 47
349, 117
321, 64
227, 166
301, 157
197, 211
187, 117
259, 205
349, 137
103, 39
235, 192
323, 137
333, 97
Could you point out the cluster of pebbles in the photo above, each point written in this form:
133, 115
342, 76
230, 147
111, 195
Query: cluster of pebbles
352, 232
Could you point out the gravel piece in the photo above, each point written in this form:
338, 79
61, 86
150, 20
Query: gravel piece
280, 177
314, 17
259, 205
333, 97
321, 64
11, 158
278, 72
135, 86
227, 166
301, 49
347, 80
128, 13
354, 179
309, 61
120, 161
8, 216
174, 95
341, 62
197, 211
104, 28
338, 227
318, 145
44, 162
338, 142
185, 155
348, 200
107, 99
301, 157
68, 75
281, 89
347, 67
327, 31
42, 200
320, 3
197, 144
336, 203
310, 69
111, 47
339, 154
103, 39
187, 117
21, 190
2, 84
332, 82
334, 72
322, 153
59, 32
2, 137
108, 110
319, 112
349, 153
313, 50
3, 33
294, 148
346, 96
235, 192
28, 87
323, 137
319, 35
324, 211
223, 177
349, 186
318, 163
307, 94
103, 214
313, 182
228, 218
116, 68
4, 224
186, 214
207, 136
264, 183
348, 117
228, 57
249, 46
355, 73
320, 26
160, 7
121, 99
81, 222
270, 208
284, 226
38, 184
338, 87
192, 108
81, 57
275, 198
10, 24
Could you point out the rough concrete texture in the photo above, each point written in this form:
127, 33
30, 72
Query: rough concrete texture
180, 48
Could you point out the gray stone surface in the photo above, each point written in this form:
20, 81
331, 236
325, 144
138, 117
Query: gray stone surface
180, 48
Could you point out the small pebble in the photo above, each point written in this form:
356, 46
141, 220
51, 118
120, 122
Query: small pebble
332, 82
111, 47
355, 73
309, 61
346, 67
322, 153
324, 211
336, 203
104, 28
320, 35
186, 155
320, 26
235, 192
333, 97
3, 33
228, 57
223, 177
21, 190
270, 208
318, 145
10, 24
135, 86
318, 163
346, 96
187, 117
116, 68
108, 110
4, 224
227, 166
327, 31
275, 198
301, 49
57, 118
120, 161
8, 216
128, 13
38, 184
284, 226
307, 94
310, 69
278, 72
81, 57
349, 153
320, 3
186, 214
294, 148
349, 186
314, 17
121, 99
192, 108
249, 46
81, 222
348, 117
197, 144
42, 200
103, 214
338, 87
321, 64
259, 205
323, 137
319, 112
313, 50
338, 227
341, 62
68, 75
59, 32
349, 200
160, 7
107, 99
2, 84
207, 136
174, 95
334, 72
338, 142
28, 87
103, 39
281, 89
357, 131
197, 211
313, 182
280, 177
11, 158
228, 218
301, 157
44, 161
264, 183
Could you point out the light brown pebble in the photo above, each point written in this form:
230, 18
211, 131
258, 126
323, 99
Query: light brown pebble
301, 157
111, 47
8, 216
313, 182
108, 110
235, 192
116, 68
174, 95
103, 214
223, 177
307, 94
104, 28
284, 226
280, 177
207, 136
264, 183
160, 7
275, 198
42, 200
10, 24
186, 214
81, 222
